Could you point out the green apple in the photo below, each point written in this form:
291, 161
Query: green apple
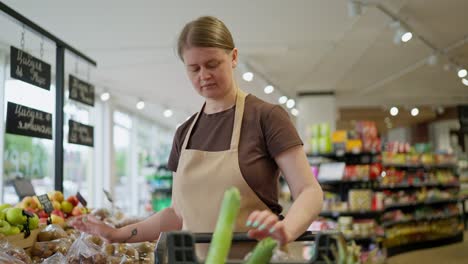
4, 227
2, 215
33, 222
14, 230
4, 206
21, 227
15, 216
66, 206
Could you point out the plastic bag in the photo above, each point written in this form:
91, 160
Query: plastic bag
145, 251
57, 258
51, 232
43, 250
11, 254
84, 251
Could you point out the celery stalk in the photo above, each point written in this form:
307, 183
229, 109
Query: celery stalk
262, 252
222, 236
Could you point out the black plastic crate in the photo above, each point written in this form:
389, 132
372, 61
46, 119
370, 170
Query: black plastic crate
179, 247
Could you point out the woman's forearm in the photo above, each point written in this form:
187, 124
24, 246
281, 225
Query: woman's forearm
147, 230
304, 210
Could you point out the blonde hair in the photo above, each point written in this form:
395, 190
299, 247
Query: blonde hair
205, 31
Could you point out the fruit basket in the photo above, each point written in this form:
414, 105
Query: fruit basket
22, 241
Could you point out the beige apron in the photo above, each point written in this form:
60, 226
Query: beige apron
200, 182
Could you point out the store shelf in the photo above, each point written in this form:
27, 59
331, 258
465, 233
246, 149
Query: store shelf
427, 218
425, 244
337, 182
415, 186
349, 158
414, 204
355, 214
419, 166
363, 240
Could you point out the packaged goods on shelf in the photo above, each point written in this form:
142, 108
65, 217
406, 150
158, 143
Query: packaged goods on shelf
360, 200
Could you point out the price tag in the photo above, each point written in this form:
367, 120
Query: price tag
108, 196
44, 200
81, 199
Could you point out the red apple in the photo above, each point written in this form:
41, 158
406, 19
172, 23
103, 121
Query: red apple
73, 200
42, 214
78, 211
58, 213
43, 220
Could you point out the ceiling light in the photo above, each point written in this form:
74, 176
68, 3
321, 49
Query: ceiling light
248, 76
465, 81
406, 36
283, 99
462, 73
105, 96
290, 103
294, 112
394, 111
167, 113
354, 8
415, 111
140, 105
269, 89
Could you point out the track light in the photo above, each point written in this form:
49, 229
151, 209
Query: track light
415, 111
167, 113
269, 89
290, 103
354, 8
401, 33
248, 76
394, 111
465, 81
283, 99
294, 112
105, 96
462, 73
140, 105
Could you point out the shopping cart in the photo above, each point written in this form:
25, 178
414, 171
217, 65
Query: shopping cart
179, 247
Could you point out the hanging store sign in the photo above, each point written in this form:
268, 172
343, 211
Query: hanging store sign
80, 134
81, 91
25, 121
27, 68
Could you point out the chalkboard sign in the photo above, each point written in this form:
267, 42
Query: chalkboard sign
81, 199
80, 134
44, 200
81, 91
29, 69
23, 187
25, 121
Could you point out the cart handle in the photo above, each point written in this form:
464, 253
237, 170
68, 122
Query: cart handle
243, 237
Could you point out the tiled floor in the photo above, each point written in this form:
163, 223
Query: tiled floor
452, 254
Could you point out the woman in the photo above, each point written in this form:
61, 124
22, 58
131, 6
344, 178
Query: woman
235, 140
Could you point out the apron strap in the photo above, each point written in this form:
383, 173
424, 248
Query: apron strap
189, 133
236, 131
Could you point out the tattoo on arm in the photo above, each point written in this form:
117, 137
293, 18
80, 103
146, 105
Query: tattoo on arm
134, 233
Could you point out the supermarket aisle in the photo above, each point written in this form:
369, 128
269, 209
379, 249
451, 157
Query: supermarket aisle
456, 253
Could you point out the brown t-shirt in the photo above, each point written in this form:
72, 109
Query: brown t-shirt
266, 132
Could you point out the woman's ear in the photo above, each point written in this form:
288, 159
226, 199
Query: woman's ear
234, 58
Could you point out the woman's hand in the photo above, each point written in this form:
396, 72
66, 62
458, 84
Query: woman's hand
267, 224
91, 225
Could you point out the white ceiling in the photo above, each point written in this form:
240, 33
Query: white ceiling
298, 46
